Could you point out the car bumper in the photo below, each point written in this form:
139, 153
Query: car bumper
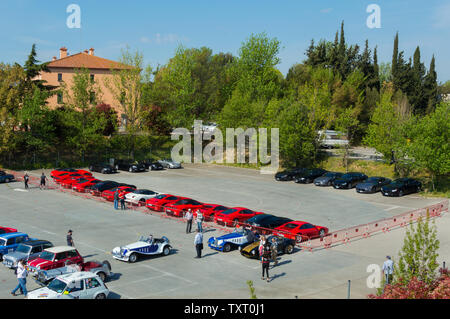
120, 257
390, 194
9, 263
215, 247
339, 186
364, 191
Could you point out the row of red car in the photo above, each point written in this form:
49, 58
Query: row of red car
177, 206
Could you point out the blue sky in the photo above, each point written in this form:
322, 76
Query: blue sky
156, 28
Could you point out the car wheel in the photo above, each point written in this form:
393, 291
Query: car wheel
418, 189
130, 170
7, 180
289, 249
102, 276
166, 250
227, 247
1, 257
400, 193
133, 257
329, 184
100, 296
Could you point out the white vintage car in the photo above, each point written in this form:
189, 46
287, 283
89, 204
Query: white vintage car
144, 246
140, 196
78, 285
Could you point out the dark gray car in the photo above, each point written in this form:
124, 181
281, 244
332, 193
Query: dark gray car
327, 179
28, 250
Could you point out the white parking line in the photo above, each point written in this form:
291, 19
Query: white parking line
391, 208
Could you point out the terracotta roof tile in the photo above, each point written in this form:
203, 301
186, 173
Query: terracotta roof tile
85, 60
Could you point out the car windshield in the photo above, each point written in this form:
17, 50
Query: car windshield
398, 183
290, 226
330, 174
2, 242
23, 249
229, 211
373, 180
57, 286
160, 196
82, 180
46, 255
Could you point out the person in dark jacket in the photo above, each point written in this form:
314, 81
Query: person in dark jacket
265, 261
122, 202
26, 178
69, 238
116, 199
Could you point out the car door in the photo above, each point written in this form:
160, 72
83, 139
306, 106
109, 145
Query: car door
60, 260
77, 289
308, 230
92, 287
74, 257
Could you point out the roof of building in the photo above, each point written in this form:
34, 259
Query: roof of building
86, 60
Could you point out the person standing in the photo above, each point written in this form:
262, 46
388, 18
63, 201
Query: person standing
122, 202
199, 220
262, 242
388, 270
43, 179
69, 238
25, 180
116, 199
188, 218
265, 261
198, 241
274, 251
21, 278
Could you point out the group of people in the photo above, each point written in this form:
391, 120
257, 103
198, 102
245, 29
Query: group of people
198, 240
44, 179
119, 198
268, 251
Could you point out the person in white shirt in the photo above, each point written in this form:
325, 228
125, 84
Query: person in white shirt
198, 242
188, 218
388, 270
21, 278
199, 220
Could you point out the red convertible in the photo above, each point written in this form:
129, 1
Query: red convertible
157, 203
300, 231
6, 230
123, 190
233, 216
181, 206
81, 186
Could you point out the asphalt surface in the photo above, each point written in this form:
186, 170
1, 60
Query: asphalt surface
98, 228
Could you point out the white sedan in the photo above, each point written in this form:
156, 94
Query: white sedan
78, 285
140, 196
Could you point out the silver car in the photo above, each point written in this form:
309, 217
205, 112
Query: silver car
168, 163
28, 250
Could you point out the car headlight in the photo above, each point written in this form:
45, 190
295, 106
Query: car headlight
253, 252
220, 242
394, 190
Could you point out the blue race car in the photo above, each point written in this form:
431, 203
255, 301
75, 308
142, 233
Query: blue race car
238, 238
10, 241
6, 178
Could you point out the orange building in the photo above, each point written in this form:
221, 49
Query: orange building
64, 68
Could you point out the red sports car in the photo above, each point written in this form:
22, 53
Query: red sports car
181, 206
232, 216
57, 172
5, 230
81, 186
300, 231
123, 190
70, 181
157, 203
61, 177
209, 210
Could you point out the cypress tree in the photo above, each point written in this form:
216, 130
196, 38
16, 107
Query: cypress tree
417, 98
376, 70
430, 87
395, 57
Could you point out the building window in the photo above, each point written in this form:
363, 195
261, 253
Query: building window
60, 77
92, 78
92, 97
60, 98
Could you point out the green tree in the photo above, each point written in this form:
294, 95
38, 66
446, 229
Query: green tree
430, 87
418, 256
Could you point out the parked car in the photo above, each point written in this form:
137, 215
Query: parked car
152, 165
27, 250
144, 246
267, 221
401, 186
130, 166
10, 241
54, 257
284, 246
79, 285
83, 186
299, 231
327, 179
234, 216
98, 188
123, 190
238, 238
6, 230
69, 182
102, 269
103, 168
372, 184
308, 176
158, 202
168, 163
6, 178
288, 175
349, 180
209, 210
58, 171
140, 196
181, 206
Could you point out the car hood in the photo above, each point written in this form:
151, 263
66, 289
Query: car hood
43, 293
38, 262
230, 236
252, 246
15, 255
138, 244
365, 185
323, 179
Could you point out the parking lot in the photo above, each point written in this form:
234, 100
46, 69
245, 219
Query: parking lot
98, 228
